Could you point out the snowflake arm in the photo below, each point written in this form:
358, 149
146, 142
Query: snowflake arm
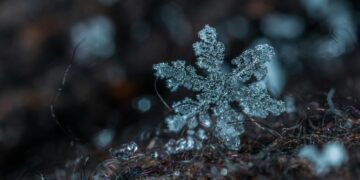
177, 74
185, 110
256, 102
252, 62
229, 127
209, 51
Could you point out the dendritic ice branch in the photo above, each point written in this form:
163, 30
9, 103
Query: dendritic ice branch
217, 90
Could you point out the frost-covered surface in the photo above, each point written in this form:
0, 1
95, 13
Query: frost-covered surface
333, 155
211, 109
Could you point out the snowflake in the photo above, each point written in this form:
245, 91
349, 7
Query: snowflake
224, 98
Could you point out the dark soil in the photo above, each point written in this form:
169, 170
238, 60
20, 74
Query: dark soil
269, 148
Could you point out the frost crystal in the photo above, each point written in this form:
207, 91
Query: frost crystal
217, 91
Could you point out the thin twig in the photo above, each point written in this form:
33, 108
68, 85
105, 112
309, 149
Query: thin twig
160, 97
56, 97
263, 127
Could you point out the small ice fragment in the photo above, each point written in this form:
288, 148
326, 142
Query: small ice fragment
333, 155
125, 151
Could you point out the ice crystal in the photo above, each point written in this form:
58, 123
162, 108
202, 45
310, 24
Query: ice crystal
182, 144
125, 152
216, 92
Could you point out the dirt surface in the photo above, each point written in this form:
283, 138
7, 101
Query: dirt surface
269, 148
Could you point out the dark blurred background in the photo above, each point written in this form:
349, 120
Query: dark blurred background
108, 97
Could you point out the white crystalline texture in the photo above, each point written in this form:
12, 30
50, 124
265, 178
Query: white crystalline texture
125, 152
216, 90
